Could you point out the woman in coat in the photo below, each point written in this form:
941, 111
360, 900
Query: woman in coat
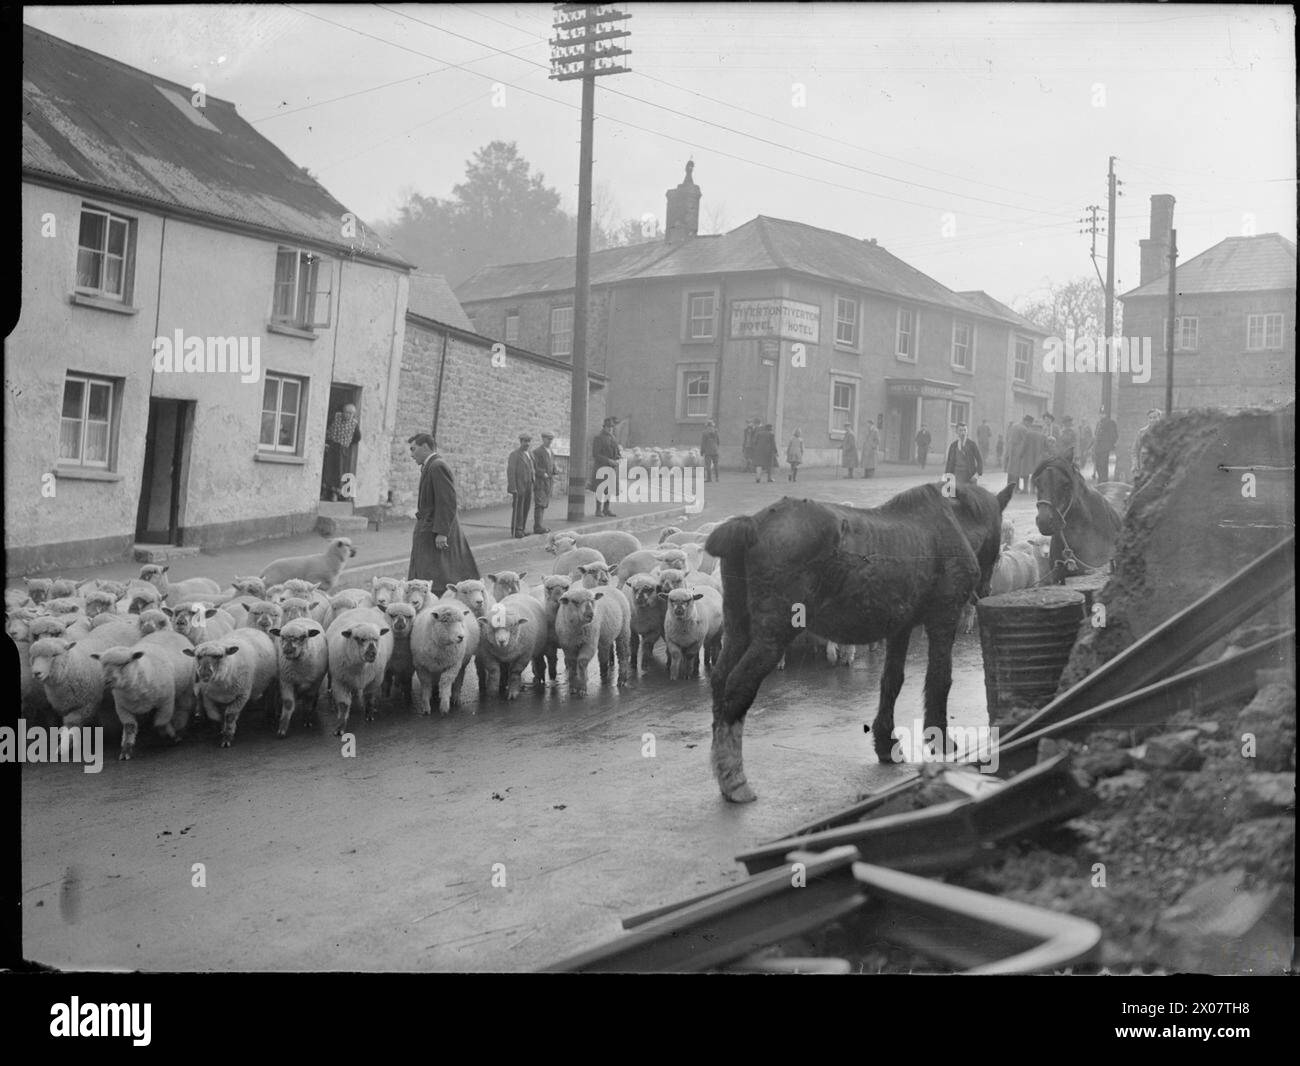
344, 431
849, 450
870, 445
765, 457
794, 455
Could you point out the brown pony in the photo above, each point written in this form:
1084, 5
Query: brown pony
852, 576
1082, 520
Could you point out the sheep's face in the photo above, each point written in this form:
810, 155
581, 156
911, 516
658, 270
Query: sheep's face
472, 593
673, 559
63, 606
154, 574
384, 590
417, 593
44, 652
681, 603
505, 584
341, 549
580, 602
594, 575
366, 638
19, 626
266, 616
294, 638
277, 594
250, 586
38, 588
502, 628
153, 621
290, 609
668, 532
560, 545
645, 592
143, 599
449, 624
671, 579
400, 616
190, 620
117, 664
63, 587
99, 602
208, 658
556, 586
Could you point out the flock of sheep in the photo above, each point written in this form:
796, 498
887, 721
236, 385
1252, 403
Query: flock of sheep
166, 651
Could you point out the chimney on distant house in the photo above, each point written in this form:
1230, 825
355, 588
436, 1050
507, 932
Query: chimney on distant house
683, 215
1155, 249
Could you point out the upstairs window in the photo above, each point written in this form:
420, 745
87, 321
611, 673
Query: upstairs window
963, 341
701, 309
512, 327
302, 289
905, 345
561, 331
1024, 356
104, 246
846, 322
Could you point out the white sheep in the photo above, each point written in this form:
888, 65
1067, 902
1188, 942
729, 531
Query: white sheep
360, 643
346, 599
72, 680
551, 589
679, 538
264, 616
154, 676
513, 635
418, 593
295, 607
444, 640
152, 621
231, 672
142, 597
647, 622
567, 563
276, 593
303, 659
638, 562
248, 586
505, 583
593, 623
323, 568
692, 621
201, 621
38, 588
384, 590
99, 602
175, 592
613, 544
63, 587
401, 667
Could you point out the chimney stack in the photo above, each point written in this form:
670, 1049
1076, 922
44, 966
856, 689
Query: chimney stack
1155, 248
683, 215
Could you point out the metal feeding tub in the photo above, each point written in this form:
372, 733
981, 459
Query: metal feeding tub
1026, 637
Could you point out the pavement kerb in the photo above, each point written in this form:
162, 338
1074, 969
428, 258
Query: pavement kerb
488, 548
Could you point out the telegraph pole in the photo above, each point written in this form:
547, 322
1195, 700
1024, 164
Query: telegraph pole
1169, 327
1110, 286
584, 48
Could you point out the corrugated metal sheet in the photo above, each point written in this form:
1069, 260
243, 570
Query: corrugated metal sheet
1236, 264
91, 119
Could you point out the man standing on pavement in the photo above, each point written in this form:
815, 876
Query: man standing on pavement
765, 456
1104, 441
709, 449
964, 460
544, 480
849, 449
439, 551
1153, 416
605, 454
984, 437
1067, 440
520, 476
1084, 448
922, 445
1018, 467
747, 448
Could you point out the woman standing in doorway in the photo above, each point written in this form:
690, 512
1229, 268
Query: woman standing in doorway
344, 431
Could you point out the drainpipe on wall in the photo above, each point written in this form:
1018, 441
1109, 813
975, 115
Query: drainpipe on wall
437, 401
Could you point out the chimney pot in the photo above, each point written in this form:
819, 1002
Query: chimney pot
682, 219
1155, 249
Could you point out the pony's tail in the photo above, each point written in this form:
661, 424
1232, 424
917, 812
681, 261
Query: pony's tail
733, 538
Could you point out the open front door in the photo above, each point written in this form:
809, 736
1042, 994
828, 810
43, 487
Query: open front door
166, 464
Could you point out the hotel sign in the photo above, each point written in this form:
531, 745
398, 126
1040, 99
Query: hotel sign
776, 317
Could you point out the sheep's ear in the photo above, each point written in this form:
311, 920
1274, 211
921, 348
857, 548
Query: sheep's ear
522, 574
565, 598
662, 594
491, 577
383, 631
231, 649
597, 595
698, 596
211, 612
70, 646
346, 634
274, 632
313, 632
451, 587
138, 655
164, 569
188, 651
518, 622
94, 654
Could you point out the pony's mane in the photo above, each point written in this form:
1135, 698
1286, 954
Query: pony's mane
921, 496
1058, 461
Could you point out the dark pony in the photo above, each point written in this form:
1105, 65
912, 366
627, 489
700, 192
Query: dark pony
852, 576
1083, 521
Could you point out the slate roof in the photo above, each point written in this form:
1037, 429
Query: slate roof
762, 244
431, 297
98, 123
1262, 263
997, 309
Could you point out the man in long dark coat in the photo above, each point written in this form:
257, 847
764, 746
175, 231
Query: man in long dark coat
1103, 443
543, 481
520, 476
605, 454
439, 551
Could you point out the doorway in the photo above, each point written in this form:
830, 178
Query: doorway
166, 469
339, 466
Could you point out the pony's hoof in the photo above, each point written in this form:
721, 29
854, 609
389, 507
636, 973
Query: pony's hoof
740, 794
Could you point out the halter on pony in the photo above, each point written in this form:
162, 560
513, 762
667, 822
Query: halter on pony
1069, 555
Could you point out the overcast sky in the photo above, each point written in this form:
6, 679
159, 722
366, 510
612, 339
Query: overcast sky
1000, 115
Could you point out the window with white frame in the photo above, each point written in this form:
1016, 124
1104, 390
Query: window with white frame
282, 410
86, 427
302, 289
1263, 332
104, 259
700, 315
1185, 333
512, 327
1024, 356
562, 331
963, 344
905, 345
846, 322
958, 411
694, 392
844, 399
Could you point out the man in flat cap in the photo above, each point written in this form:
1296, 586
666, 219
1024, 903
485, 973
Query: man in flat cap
605, 454
544, 479
519, 483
